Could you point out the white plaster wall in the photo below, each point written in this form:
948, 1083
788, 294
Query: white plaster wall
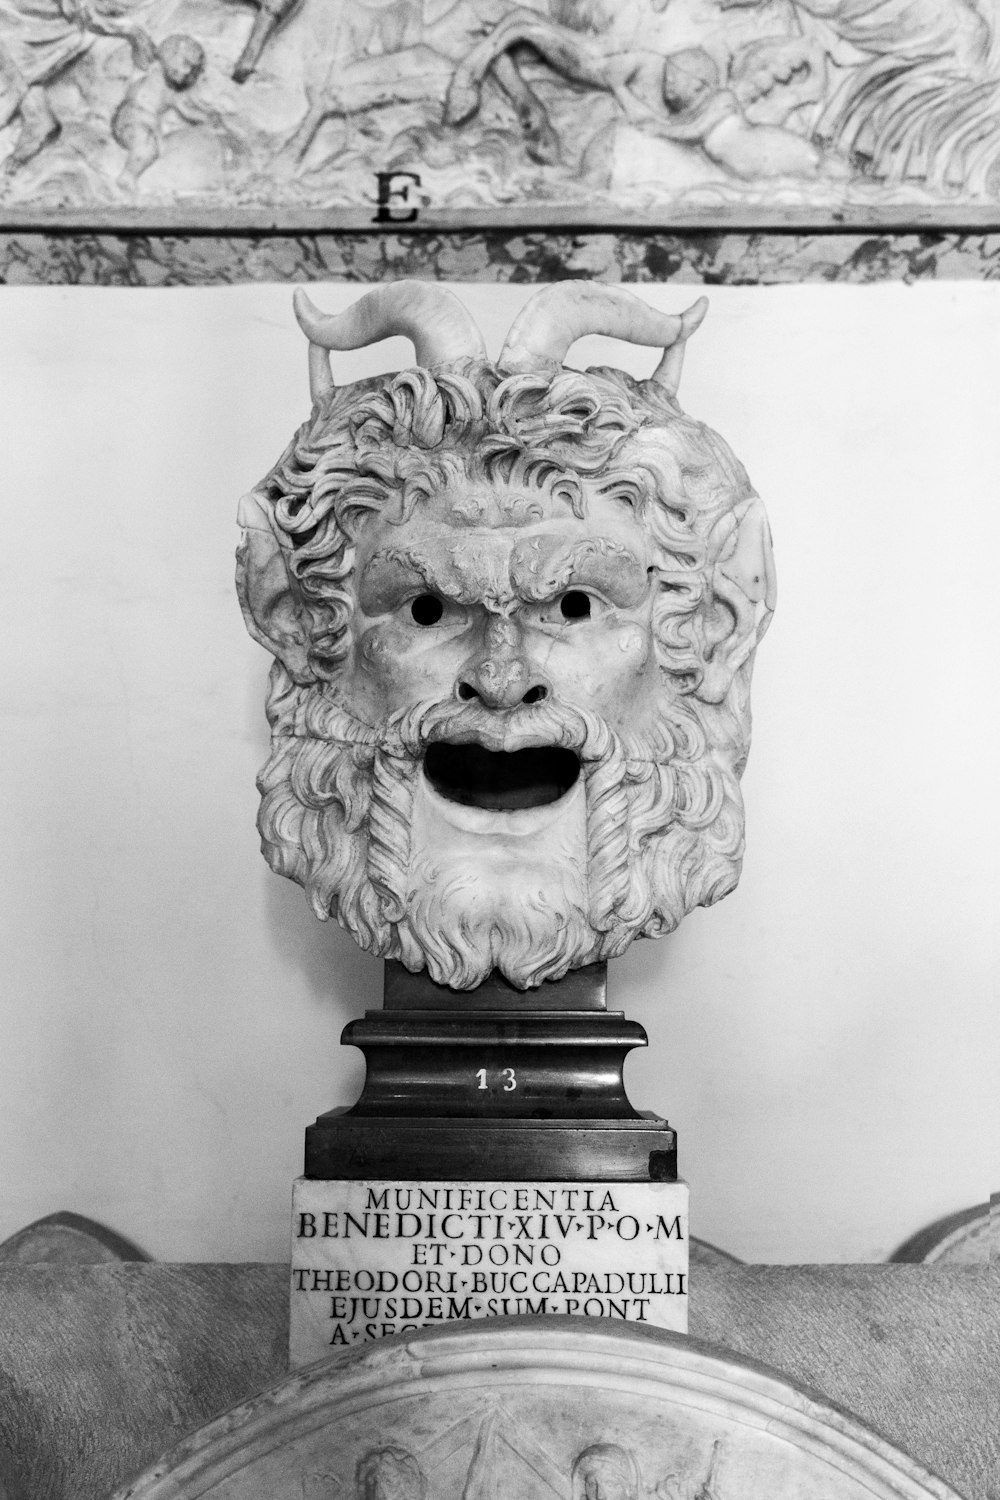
825, 1040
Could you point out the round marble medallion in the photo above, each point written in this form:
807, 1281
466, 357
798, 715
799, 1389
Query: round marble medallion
531, 1409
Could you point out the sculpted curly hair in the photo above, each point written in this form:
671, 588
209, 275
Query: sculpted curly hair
664, 816
389, 1473
384, 444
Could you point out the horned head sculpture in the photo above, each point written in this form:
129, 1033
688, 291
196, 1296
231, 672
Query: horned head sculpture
443, 332
513, 608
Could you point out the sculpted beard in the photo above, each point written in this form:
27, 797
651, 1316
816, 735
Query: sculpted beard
663, 833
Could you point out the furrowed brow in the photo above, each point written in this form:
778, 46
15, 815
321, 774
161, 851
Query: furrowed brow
390, 572
598, 563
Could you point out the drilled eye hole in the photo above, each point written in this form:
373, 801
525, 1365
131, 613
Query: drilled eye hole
575, 605
427, 609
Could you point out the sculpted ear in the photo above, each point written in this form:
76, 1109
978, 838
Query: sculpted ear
744, 590
268, 592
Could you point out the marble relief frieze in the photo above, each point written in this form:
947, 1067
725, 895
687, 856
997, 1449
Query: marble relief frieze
460, 113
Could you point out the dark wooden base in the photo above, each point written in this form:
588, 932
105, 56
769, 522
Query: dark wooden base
496, 1085
342, 1145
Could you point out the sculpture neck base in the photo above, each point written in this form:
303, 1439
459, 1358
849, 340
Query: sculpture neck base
493, 1089
580, 989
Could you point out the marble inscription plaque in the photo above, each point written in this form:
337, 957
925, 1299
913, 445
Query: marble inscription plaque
370, 1259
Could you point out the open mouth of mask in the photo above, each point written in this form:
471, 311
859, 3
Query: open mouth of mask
499, 780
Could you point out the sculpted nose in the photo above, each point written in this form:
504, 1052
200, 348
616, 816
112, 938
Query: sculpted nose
499, 672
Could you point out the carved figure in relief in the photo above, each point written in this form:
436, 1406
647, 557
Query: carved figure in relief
605, 1471
678, 96
779, 78
924, 105
270, 15
513, 609
42, 41
391, 54
389, 1473
162, 87
677, 1487
912, 89
631, 76
636, 105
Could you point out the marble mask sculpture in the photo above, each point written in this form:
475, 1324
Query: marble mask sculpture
513, 608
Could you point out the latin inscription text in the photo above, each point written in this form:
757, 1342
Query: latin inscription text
400, 1257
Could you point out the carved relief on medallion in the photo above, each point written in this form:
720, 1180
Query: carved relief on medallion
542, 1409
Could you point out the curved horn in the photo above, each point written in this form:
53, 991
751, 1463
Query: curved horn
440, 327
321, 384
667, 374
557, 316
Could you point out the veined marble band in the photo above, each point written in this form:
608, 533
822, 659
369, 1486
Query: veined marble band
707, 257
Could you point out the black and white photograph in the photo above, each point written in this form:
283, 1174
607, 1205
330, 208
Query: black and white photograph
500, 649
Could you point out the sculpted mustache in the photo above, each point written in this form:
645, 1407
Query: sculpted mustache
548, 723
